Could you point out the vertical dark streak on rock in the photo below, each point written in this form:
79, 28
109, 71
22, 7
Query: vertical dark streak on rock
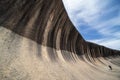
43, 21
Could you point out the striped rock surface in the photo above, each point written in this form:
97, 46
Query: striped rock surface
39, 42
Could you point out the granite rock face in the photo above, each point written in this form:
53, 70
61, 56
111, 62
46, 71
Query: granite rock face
39, 42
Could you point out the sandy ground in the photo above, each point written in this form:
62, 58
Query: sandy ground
24, 59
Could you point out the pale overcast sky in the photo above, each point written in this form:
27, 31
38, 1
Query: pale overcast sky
97, 20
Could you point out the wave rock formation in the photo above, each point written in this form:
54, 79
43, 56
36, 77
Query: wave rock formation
39, 42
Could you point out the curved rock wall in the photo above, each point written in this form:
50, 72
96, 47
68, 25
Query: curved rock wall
39, 33
47, 23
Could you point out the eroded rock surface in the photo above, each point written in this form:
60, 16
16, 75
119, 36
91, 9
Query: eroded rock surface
39, 42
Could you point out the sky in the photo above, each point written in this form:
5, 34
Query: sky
97, 21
